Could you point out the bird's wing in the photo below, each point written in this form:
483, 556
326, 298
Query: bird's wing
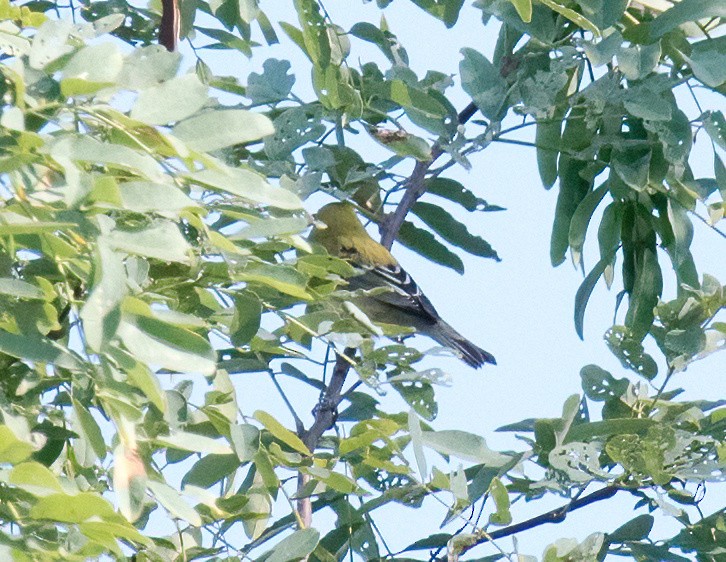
403, 292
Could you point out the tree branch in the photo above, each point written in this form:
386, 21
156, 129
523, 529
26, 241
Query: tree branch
415, 187
326, 412
555, 516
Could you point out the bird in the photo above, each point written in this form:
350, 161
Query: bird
343, 235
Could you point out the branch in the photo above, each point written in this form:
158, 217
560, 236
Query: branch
326, 412
555, 516
415, 187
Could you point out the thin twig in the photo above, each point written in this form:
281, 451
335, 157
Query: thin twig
555, 516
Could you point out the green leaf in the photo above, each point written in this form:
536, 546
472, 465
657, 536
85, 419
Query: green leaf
12, 449
248, 185
547, 139
32, 476
455, 192
151, 197
599, 385
414, 428
645, 294
316, 42
423, 242
715, 125
500, 495
483, 82
210, 469
680, 13
369, 32
629, 350
65, 508
217, 129
87, 149
49, 42
39, 350
581, 220
572, 15
91, 69
246, 320
463, 445
90, 429
140, 376
524, 9
281, 432
409, 97
170, 101
174, 503
160, 343
20, 289
245, 439
708, 61
294, 547
608, 237
273, 85
638, 61
582, 296
283, 278
100, 313
583, 432
160, 239
451, 230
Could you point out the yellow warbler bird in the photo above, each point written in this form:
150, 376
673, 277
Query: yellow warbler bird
343, 235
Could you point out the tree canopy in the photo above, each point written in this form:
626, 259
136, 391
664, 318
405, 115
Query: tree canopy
154, 264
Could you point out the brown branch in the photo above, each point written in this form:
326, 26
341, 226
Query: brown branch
555, 516
169, 26
415, 186
326, 412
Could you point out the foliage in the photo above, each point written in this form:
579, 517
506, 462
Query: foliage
152, 225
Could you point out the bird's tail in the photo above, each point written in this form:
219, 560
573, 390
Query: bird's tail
471, 354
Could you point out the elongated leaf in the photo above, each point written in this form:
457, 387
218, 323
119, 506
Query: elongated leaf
423, 242
12, 449
463, 445
281, 432
451, 230
645, 294
295, 547
248, 185
87, 149
170, 101
414, 428
454, 191
547, 138
315, 39
524, 9
213, 130
681, 12
20, 289
74, 509
174, 503
210, 469
581, 220
90, 429
161, 240
585, 290
572, 15
159, 343
40, 350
